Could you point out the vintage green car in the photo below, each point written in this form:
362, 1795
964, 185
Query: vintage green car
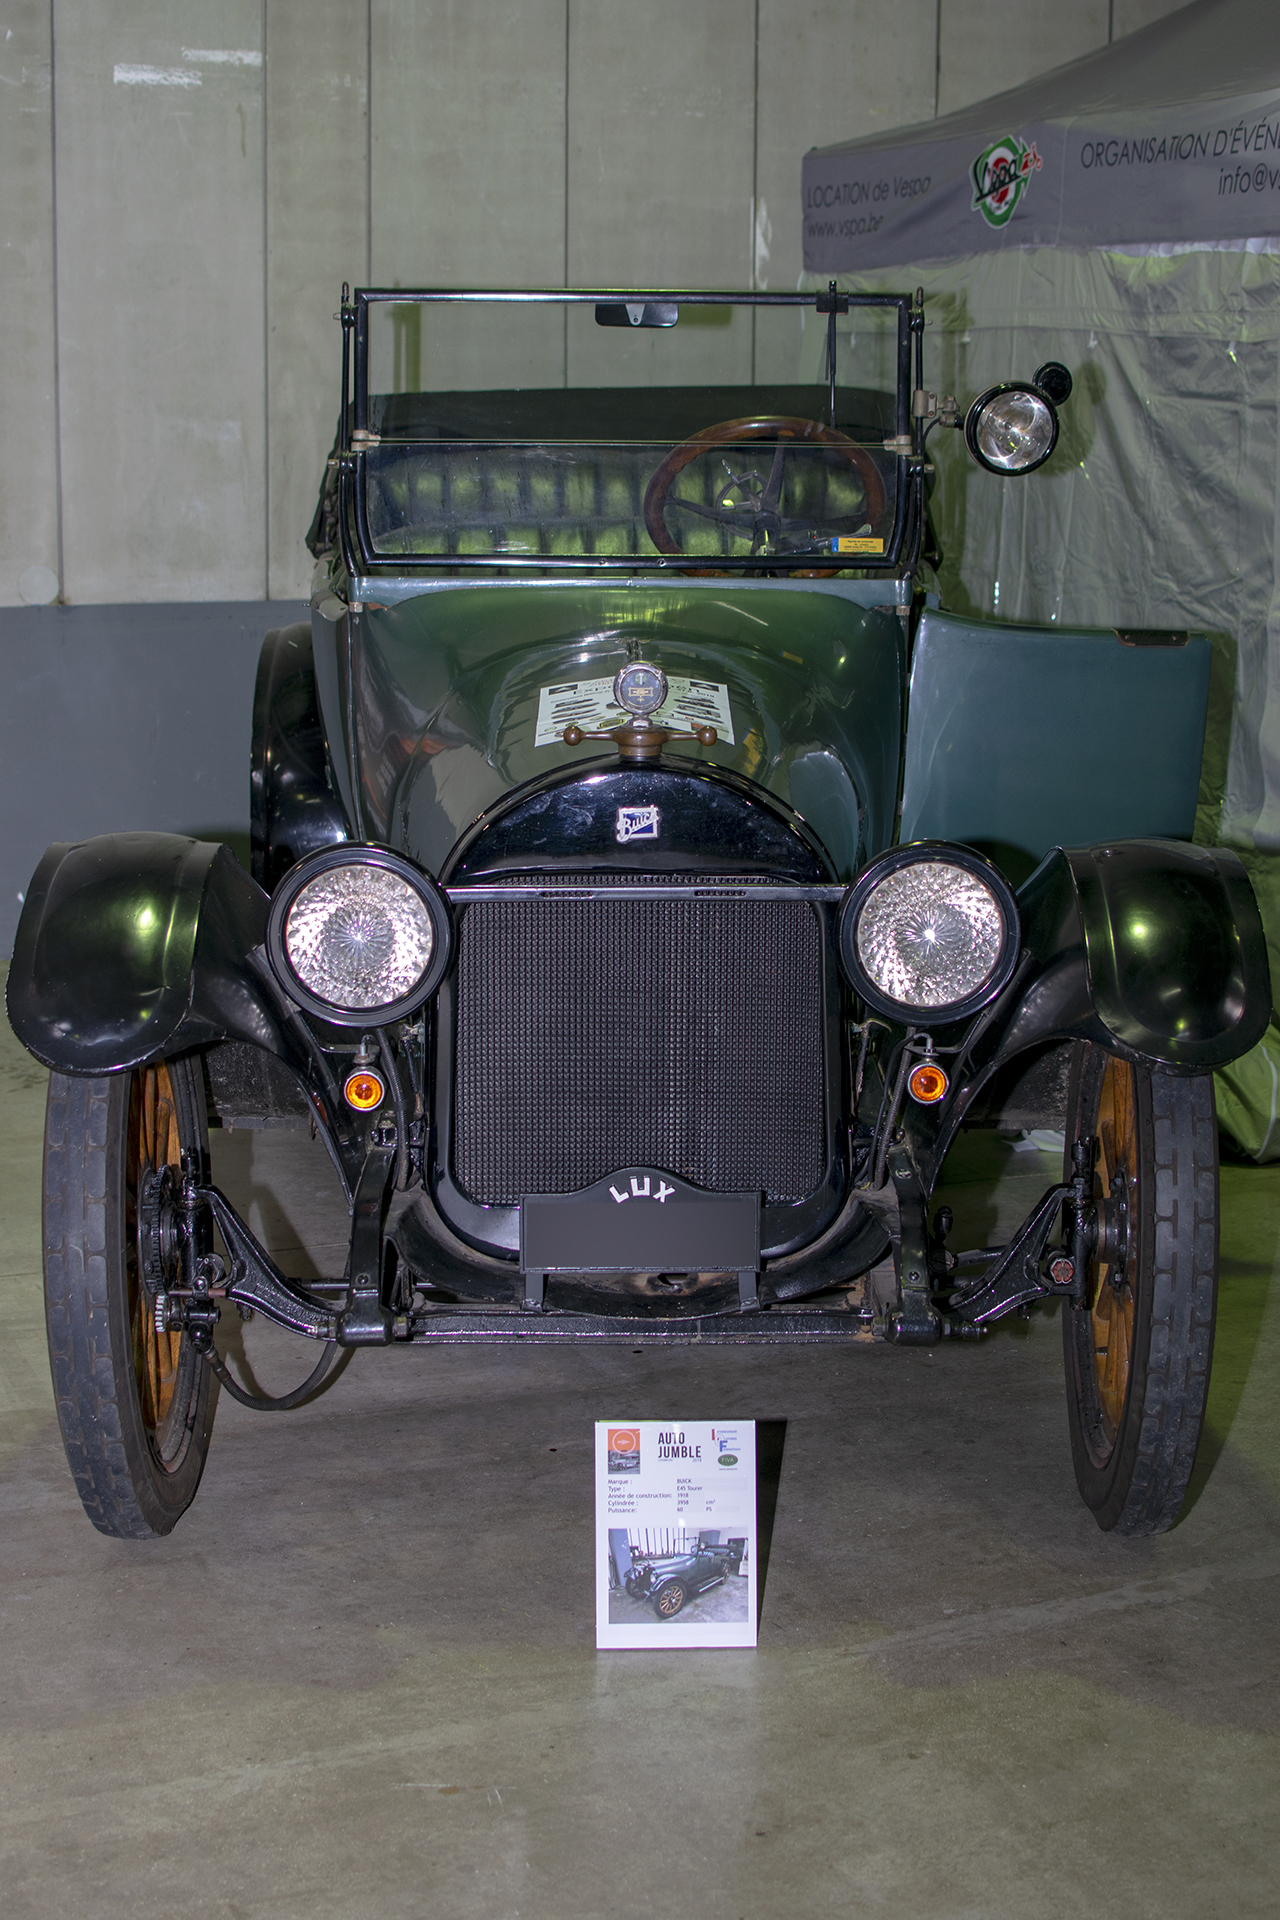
668, 1582
650, 880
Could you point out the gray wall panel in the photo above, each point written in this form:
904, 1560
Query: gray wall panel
837, 69
982, 49
317, 108
160, 299
829, 70
1128, 15
120, 717
467, 152
660, 150
28, 482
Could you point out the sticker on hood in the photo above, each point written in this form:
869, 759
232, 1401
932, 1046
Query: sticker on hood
589, 704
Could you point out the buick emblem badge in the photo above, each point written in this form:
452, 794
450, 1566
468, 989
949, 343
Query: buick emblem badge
636, 823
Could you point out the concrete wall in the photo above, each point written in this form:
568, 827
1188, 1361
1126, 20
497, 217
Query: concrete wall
188, 183
118, 718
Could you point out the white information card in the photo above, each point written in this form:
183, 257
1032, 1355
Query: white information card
675, 1533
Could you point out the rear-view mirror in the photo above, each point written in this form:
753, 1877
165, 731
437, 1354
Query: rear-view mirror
637, 313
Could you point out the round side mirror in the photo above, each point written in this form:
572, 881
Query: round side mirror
1054, 381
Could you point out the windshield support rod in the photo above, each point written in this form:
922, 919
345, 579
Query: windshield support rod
347, 315
831, 303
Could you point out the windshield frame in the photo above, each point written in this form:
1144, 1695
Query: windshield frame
356, 438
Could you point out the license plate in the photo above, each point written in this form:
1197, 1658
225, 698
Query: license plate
640, 1221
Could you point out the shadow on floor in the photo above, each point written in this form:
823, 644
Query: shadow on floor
771, 1441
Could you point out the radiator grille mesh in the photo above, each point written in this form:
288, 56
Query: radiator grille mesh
598, 1034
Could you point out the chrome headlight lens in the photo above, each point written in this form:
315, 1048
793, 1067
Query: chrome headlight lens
929, 933
1011, 428
359, 936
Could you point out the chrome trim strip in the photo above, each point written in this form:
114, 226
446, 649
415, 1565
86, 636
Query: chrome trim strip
536, 890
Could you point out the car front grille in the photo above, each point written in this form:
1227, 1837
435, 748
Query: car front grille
683, 1034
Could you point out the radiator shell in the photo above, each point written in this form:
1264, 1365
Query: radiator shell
684, 1026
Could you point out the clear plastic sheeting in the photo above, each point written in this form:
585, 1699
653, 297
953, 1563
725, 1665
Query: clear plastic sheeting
1154, 165
1158, 507
1248, 1098
1248, 1091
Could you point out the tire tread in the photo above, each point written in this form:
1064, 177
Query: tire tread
1140, 1490
1184, 1297
78, 1310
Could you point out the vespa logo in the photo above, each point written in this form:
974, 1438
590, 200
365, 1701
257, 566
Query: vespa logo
636, 823
1001, 176
640, 1189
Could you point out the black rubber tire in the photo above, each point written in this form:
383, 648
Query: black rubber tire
136, 1476
675, 1599
1134, 1432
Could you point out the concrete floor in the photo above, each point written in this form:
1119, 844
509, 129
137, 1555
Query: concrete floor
360, 1678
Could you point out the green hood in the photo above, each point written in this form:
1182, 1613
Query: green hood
438, 704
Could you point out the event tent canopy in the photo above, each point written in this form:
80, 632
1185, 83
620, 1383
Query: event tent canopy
1171, 134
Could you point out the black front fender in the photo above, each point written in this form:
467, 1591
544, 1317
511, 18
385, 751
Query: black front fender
294, 809
1153, 948
1174, 948
132, 946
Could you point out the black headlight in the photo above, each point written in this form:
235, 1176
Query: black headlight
929, 933
1012, 428
359, 936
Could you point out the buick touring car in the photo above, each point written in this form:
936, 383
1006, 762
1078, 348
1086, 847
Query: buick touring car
650, 879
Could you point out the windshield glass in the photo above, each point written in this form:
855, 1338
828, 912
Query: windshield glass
628, 429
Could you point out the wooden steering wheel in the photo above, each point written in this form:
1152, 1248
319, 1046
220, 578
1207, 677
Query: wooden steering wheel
762, 517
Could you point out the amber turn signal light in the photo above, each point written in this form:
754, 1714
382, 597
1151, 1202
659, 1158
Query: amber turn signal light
928, 1083
363, 1090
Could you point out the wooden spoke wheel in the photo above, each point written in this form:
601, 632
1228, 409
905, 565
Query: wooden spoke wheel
1116, 1180
669, 1600
1138, 1348
152, 1141
783, 430
134, 1405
